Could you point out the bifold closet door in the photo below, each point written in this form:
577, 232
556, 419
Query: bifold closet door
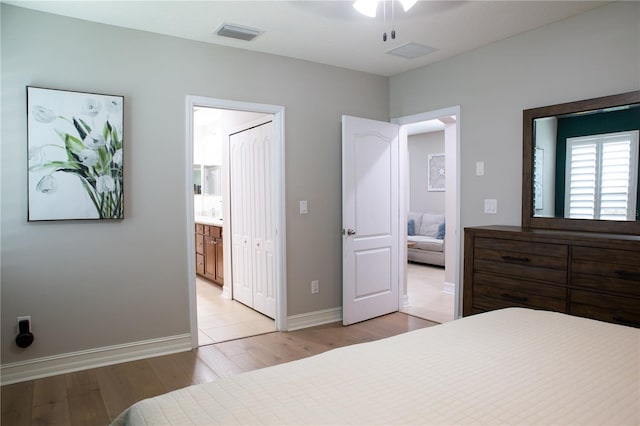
253, 263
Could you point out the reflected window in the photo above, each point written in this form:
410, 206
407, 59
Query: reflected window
602, 176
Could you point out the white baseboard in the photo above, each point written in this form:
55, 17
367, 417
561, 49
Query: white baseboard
311, 319
75, 361
449, 288
405, 301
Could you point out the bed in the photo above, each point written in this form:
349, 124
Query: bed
510, 366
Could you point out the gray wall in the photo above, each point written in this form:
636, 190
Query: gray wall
420, 198
93, 284
590, 55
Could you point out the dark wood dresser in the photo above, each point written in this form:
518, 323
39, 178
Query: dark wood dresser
585, 274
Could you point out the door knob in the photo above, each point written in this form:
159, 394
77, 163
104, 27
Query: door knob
351, 232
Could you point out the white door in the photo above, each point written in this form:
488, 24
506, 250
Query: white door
253, 261
370, 212
264, 287
240, 182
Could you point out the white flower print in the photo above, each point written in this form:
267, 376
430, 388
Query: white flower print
94, 140
88, 157
117, 158
47, 185
36, 157
91, 107
114, 105
105, 183
42, 114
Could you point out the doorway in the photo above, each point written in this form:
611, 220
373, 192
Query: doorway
213, 303
431, 281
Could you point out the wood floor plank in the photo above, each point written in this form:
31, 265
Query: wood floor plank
182, 369
217, 361
336, 336
392, 324
86, 403
247, 362
115, 389
124, 384
264, 354
50, 402
144, 380
17, 402
289, 347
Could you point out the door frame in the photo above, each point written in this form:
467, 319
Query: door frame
278, 154
451, 211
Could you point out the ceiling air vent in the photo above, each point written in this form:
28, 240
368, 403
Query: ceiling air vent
238, 32
411, 50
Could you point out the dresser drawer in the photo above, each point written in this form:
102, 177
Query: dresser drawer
620, 310
493, 292
521, 259
199, 228
616, 271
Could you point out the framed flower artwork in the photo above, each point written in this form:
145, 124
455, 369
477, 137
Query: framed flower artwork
75, 143
436, 175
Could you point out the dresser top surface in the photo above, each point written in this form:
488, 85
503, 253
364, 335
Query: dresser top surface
546, 234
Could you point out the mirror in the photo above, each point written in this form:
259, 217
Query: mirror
580, 165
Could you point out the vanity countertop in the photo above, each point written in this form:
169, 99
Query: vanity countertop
208, 220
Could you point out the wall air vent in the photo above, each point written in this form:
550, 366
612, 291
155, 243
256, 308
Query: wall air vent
238, 32
411, 50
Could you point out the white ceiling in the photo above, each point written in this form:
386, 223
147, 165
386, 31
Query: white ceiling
330, 32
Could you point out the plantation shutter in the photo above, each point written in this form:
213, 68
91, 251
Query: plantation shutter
602, 176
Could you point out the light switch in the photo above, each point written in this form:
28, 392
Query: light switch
491, 206
479, 168
303, 207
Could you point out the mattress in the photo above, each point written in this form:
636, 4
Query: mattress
512, 366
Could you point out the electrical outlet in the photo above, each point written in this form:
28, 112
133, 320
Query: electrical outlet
315, 286
28, 318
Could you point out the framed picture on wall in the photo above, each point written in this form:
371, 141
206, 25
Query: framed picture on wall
75, 143
436, 173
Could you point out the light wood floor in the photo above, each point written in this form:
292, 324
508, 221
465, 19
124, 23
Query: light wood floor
97, 396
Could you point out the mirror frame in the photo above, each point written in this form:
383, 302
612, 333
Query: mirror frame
559, 223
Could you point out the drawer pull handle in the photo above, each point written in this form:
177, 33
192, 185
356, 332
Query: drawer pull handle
513, 298
625, 321
627, 274
515, 259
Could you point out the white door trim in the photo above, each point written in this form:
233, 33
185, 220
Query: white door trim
449, 210
280, 210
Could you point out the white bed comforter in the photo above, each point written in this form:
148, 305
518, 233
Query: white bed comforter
513, 366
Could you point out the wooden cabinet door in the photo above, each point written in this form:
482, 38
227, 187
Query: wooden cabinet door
199, 244
219, 263
199, 264
210, 258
